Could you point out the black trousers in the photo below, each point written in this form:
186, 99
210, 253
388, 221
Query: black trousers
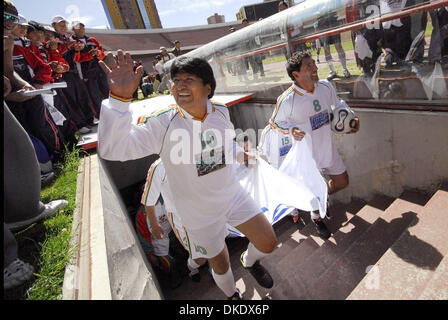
35, 119
78, 96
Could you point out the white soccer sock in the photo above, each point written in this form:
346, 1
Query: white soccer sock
192, 266
342, 59
315, 215
330, 63
252, 254
225, 282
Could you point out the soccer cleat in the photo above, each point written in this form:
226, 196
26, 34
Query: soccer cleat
321, 229
236, 296
175, 279
195, 275
347, 74
331, 76
260, 273
16, 273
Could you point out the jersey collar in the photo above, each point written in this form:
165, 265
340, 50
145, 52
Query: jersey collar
184, 114
303, 92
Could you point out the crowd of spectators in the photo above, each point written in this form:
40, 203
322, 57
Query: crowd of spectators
61, 54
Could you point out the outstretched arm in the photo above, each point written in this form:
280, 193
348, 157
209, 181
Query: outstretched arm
122, 79
118, 138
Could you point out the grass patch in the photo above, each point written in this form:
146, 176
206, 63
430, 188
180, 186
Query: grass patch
45, 245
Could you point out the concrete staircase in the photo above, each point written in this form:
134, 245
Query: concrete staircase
384, 249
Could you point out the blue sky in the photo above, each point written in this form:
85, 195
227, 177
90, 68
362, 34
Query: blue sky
173, 13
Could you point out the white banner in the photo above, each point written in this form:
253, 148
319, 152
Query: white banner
297, 184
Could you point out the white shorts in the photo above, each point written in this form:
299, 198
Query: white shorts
209, 242
336, 167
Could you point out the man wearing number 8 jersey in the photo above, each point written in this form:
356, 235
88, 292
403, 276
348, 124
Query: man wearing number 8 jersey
304, 108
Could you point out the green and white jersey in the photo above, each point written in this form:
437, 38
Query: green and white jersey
198, 155
310, 112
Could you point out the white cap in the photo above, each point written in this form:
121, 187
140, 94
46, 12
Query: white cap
49, 28
58, 19
76, 23
23, 21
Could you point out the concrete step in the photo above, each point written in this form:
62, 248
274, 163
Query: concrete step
408, 265
289, 265
350, 268
298, 237
437, 287
244, 280
316, 264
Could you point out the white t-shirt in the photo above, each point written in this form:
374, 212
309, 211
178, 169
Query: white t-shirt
206, 187
310, 112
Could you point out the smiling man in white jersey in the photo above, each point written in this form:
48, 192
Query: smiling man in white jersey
305, 108
188, 137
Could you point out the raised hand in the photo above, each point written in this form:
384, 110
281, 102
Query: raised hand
122, 79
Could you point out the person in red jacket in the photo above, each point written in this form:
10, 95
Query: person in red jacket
36, 35
29, 66
92, 74
32, 114
76, 90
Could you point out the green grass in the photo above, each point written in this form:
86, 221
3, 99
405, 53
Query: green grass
46, 244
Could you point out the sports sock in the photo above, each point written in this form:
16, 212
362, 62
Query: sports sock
341, 55
192, 266
225, 282
252, 254
314, 215
330, 63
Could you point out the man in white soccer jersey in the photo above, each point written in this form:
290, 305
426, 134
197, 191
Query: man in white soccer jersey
157, 184
305, 108
190, 139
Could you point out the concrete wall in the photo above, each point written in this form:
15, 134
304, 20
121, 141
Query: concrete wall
131, 276
393, 149
108, 261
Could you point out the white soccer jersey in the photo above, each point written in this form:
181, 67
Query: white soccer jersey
274, 145
195, 152
156, 184
310, 112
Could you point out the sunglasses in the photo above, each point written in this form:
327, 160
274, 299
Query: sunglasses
7, 17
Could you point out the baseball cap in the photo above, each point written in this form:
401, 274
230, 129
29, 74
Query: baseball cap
76, 24
58, 19
48, 28
9, 7
23, 21
162, 49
